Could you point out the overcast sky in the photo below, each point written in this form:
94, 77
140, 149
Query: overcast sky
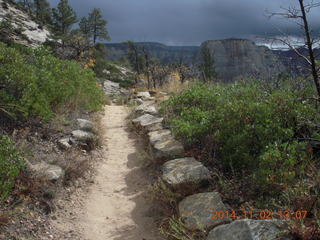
188, 22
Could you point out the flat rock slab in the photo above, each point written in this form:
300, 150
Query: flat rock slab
247, 229
185, 171
148, 122
84, 125
195, 211
160, 135
48, 171
167, 149
145, 108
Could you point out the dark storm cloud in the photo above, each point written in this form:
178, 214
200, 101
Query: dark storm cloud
187, 22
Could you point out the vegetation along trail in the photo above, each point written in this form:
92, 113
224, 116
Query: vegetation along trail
116, 207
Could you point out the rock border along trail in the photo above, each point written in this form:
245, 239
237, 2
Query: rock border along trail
116, 207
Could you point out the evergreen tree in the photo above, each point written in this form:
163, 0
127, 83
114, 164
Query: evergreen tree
207, 65
98, 25
63, 19
85, 27
26, 5
43, 11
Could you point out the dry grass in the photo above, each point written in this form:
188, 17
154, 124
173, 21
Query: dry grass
174, 85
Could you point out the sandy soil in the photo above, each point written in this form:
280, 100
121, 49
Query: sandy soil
115, 206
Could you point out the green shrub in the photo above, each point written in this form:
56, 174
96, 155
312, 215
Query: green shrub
280, 164
249, 126
38, 83
11, 163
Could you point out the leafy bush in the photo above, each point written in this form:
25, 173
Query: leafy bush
252, 129
37, 84
11, 163
280, 164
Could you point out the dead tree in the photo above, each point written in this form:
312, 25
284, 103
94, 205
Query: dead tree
301, 14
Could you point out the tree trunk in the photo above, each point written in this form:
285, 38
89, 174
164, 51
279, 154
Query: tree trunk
309, 43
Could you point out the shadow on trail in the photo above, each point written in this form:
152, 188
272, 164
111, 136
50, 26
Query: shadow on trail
146, 213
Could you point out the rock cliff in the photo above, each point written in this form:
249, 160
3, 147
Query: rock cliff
27, 31
240, 58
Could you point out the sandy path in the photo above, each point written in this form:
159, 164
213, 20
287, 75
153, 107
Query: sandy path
116, 208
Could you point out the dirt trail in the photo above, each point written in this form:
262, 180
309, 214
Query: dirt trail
115, 207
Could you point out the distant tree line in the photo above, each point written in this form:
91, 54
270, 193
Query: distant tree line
142, 62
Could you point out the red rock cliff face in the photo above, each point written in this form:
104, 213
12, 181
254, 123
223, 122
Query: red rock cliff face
239, 58
32, 34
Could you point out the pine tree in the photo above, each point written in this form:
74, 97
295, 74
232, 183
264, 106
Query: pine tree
63, 19
97, 25
85, 27
207, 65
26, 5
43, 11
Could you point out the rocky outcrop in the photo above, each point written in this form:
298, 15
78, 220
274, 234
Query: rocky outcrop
183, 172
247, 229
239, 58
113, 88
195, 211
28, 32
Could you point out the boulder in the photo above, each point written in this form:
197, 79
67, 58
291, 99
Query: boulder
64, 143
143, 95
144, 108
195, 211
247, 229
159, 135
47, 171
148, 122
185, 171
85, 125
167, 149
80, 136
